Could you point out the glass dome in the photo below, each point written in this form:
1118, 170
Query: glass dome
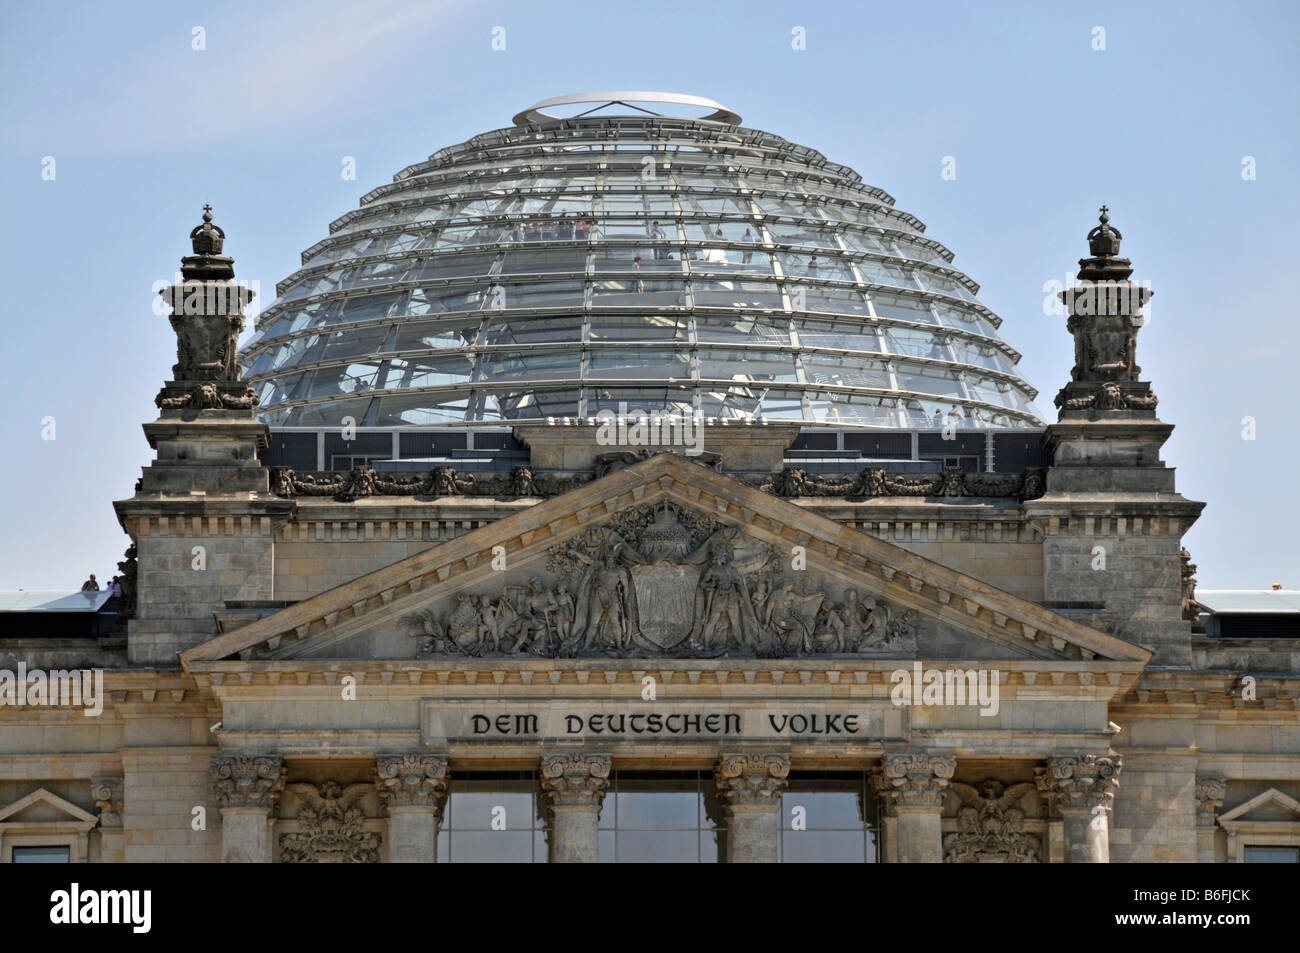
630, 262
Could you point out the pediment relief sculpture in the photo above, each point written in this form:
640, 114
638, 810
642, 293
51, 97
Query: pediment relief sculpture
662, 580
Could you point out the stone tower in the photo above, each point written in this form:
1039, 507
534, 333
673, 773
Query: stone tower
1111, 518
202, 519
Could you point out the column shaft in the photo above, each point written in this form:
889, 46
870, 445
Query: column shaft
247, 788
573, 789
750, 785
414, 789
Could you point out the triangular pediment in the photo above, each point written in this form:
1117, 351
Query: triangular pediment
1271, 805
42, 806
668, 559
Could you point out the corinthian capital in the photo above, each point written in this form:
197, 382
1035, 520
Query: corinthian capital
575, 780
751, 779
412, 780
1080, 781
247, 781
915, 778
1210, 791
107, 793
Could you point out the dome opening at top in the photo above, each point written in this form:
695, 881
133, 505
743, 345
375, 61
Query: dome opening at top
626, 261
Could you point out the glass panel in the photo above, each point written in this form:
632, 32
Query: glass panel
912, 379
491, 819
42, 855
846, 335
552, 365
417, 336
714, 293
640, 292
810, 297
902, 308
635, 327
1253, 855
612, 364
720, 364
744, 328
845, 372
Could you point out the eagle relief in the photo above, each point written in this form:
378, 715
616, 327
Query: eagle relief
662, 580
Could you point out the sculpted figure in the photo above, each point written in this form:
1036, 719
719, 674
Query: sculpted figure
830, 628
531, 625
875, 632
606, 612
784, 621
563, 620
724, 612
489, 623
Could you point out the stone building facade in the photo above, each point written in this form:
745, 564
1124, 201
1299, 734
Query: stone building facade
599, 644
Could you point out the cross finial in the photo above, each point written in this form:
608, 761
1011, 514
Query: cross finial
1104, 217
207, 213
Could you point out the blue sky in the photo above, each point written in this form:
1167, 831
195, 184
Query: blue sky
144, 129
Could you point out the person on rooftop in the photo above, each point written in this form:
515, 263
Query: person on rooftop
90, 585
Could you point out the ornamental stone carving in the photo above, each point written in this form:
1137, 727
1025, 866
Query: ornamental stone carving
433, 484
664, 580
876, 481
991, 825
331, 826
1080, 782
752, 779
575, 780
412, 780
1210, 792
107, 793
915, 779
247, 781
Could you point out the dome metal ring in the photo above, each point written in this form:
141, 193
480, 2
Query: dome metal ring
623, 97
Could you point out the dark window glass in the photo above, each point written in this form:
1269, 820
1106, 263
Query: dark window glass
42, 855
1271, 855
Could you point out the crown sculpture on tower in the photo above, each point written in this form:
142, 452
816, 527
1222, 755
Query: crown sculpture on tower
207, 314
1105, 313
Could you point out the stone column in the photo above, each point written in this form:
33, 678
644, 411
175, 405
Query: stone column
573, 788
247, 788
1210, 791
750, 785
1082, 787
414, 789
914, 784
107, 793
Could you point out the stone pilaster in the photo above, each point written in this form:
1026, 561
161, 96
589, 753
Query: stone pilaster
107, 793
1210, 791
573, 789
750, 785
914, 784
414, 789
1082, 789
247, 789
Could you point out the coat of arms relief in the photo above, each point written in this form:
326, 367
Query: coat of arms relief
664, 580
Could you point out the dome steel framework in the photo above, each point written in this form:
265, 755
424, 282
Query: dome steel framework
631, 264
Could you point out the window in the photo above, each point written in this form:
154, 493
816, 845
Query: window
42, 855
492, 817
1267, 855
653, 817
828, 817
